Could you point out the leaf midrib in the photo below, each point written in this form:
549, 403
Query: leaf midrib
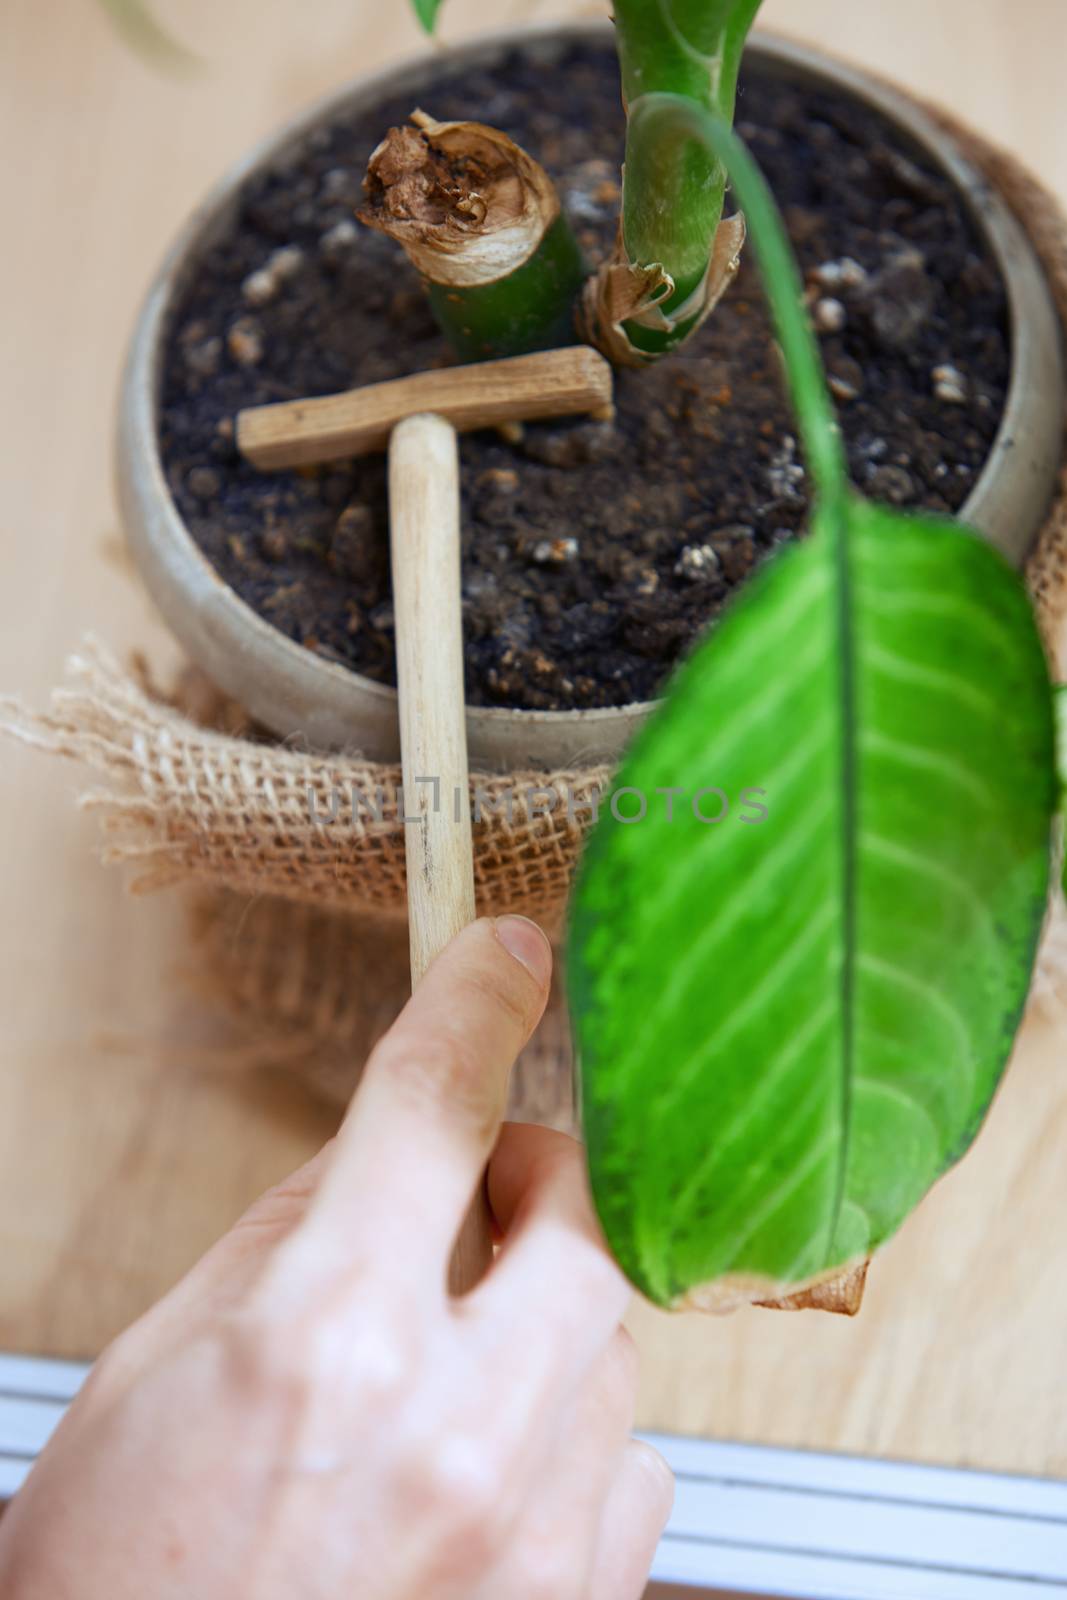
837, 527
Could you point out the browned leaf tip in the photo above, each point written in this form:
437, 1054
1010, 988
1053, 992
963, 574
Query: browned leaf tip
842, 1295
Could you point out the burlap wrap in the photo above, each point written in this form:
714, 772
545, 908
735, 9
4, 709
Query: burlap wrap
189, 794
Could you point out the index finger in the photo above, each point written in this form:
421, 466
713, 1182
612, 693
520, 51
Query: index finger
426, 1115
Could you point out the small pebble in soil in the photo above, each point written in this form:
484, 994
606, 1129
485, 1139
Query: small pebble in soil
498, 480
950, 385
590, 187
286, 263
698, 562
204, 483
287, 594
647, 583
891, 483
555, 552
785, 475
259, 288
245, 342
264, 284
899, 299
340, 240
845, 378
872, 449
843, 274
830, 315
203, 358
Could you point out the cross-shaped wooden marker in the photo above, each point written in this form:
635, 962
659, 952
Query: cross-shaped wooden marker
417, 419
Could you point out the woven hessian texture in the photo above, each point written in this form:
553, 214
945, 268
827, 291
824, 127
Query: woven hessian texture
185, 803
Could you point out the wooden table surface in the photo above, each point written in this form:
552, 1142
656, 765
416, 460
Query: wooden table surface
121, 1154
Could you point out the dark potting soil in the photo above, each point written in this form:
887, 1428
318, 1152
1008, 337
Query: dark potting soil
593, 552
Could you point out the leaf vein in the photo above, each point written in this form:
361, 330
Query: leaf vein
934, 680
933, 999
923, 759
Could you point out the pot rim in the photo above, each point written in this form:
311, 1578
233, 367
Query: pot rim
300, 695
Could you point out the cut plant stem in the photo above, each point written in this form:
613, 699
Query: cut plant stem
481, 221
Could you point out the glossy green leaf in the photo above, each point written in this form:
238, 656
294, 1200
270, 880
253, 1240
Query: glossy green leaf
1061, 772
789, 1027
791, 1021
426, 11
137, 23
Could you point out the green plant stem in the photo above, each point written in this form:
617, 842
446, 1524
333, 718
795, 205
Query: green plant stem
673, 191
531, 309
669, 120
481, 223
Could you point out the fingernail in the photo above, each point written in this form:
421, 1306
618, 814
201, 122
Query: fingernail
524, 940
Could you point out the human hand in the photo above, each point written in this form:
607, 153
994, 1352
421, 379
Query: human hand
310, 1415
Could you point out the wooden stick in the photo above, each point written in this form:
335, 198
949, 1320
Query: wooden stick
424, 514
553, 383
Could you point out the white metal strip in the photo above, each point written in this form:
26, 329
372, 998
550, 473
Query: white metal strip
47, 1379
761, 1521
857, 1476
770, 1574
740, 1514
27, 1425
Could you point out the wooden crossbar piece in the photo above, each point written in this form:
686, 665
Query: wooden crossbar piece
551, 383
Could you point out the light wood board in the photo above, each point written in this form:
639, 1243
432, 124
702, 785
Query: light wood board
122, 1154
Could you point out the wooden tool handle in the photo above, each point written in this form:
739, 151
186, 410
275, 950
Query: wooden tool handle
424, 537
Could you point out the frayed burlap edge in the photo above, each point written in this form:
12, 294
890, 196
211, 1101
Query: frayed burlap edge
184, 803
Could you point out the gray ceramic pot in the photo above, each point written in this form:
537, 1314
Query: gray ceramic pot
295, 692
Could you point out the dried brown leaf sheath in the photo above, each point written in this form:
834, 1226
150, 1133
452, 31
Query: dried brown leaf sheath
839, 1291
467, 204
623, 292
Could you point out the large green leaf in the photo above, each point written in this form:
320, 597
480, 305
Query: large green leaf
788, 1028
137, 23
1061, 773
426, 11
